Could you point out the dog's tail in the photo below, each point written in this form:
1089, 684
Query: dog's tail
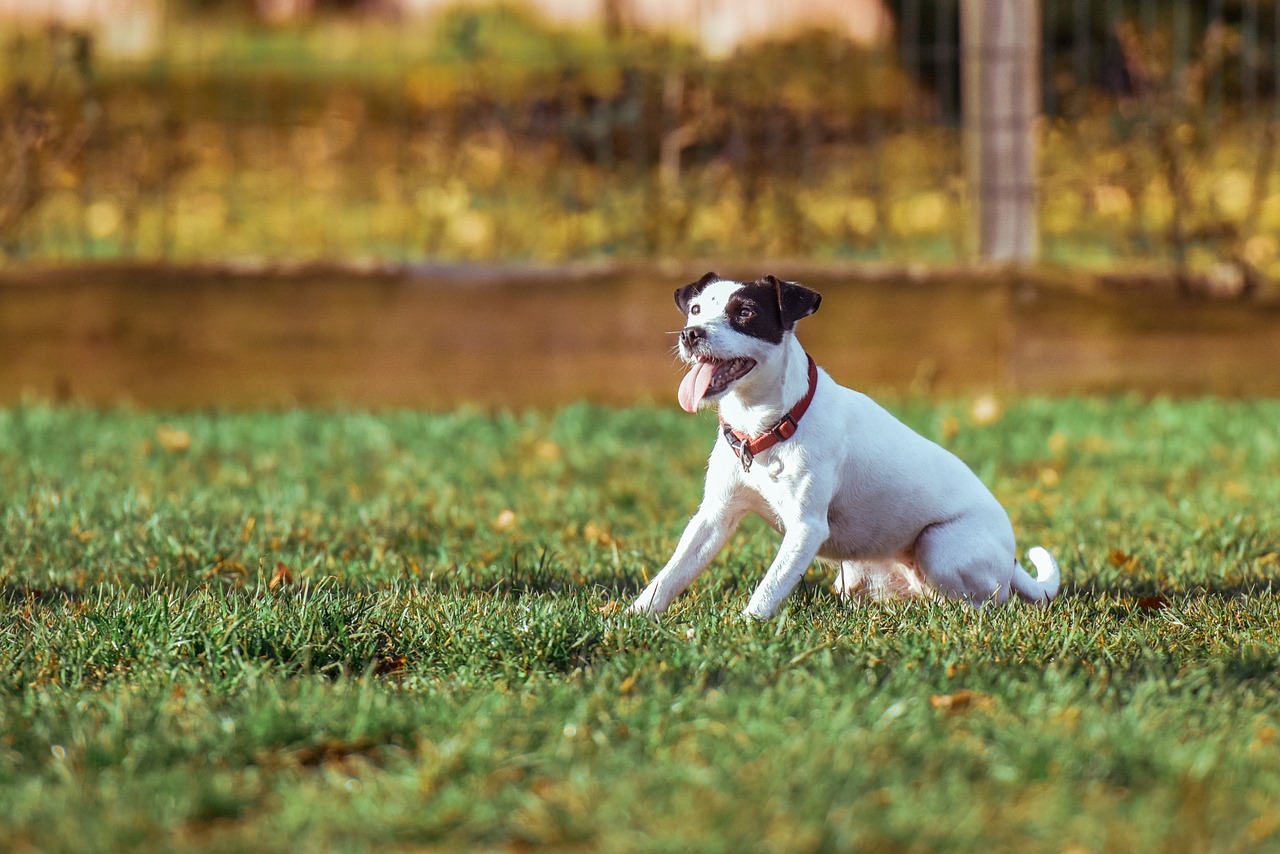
1048, 578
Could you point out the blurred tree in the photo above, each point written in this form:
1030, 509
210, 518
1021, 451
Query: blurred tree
1082, 48
46, 117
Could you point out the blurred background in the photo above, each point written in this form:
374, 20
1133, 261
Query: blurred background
421, 202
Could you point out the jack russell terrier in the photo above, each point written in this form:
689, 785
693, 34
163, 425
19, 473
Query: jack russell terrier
826, 466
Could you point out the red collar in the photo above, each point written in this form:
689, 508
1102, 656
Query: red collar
747, 448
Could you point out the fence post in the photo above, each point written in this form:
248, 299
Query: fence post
1000, 56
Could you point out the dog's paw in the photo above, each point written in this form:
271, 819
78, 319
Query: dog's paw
643, 607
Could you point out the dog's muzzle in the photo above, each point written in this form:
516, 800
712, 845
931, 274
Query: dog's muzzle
692, 336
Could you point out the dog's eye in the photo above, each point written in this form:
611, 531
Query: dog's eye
745, 313
695, 309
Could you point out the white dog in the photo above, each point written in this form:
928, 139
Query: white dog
840, 477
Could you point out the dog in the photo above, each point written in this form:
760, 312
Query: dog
837, 475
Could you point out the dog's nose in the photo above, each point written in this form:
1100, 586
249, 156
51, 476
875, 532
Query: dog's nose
692, 335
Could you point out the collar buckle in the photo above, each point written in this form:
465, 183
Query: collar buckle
741, 446
785, 429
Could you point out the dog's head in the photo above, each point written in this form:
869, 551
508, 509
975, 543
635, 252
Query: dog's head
731, 327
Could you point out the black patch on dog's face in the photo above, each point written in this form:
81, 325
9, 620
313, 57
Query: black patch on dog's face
686, 295
768, 308
753, 310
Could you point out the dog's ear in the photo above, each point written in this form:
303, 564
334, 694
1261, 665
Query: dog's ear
686, 294
794, 301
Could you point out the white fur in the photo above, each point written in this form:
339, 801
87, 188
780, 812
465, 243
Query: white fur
900, 514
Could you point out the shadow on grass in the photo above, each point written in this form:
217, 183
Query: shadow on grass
13, 595
545, 576
1153, 595
324, 628
540, 576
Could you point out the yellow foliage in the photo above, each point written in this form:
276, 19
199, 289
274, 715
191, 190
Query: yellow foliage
718, 222
102, 218
1261, 249
1157, 204
1269, 215
485, 158
1112, 202
1060, 211
862, 217
471, 232
443, 201
919, 213
1232, 191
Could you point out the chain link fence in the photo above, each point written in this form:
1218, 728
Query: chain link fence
484, 133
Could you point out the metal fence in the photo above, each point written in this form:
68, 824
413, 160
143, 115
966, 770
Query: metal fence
484, 134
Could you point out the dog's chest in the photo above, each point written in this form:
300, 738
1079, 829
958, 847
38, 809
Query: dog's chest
774, 484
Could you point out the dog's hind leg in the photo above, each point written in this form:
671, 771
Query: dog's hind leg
880, 579
701, 541
967, 559
852, 579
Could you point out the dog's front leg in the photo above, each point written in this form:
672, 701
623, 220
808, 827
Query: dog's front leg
702, 539
800, 547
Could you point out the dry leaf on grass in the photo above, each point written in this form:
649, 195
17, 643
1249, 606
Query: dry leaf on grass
229, 570
390, 665
986, 410
172, 439
961, 701
593, 533
610, 608
547, 450
334, 751
282, 577
1122, 560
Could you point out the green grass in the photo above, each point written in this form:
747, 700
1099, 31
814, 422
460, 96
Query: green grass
447, 669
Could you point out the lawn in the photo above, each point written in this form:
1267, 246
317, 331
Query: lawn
318, 631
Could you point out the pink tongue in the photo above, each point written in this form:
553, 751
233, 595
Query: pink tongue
694, 386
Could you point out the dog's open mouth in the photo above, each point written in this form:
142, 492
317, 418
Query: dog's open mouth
710, 377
